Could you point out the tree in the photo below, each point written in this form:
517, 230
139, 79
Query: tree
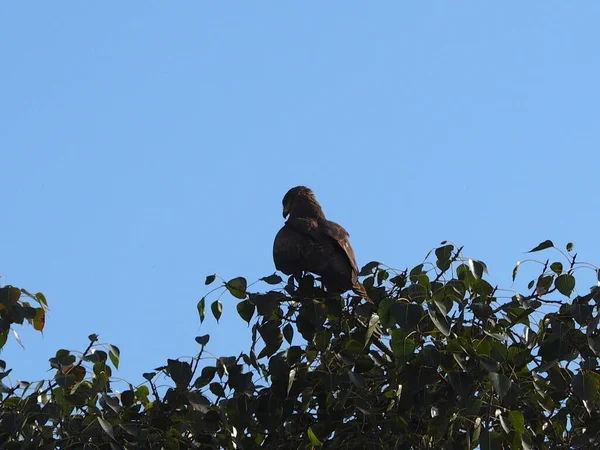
443, 360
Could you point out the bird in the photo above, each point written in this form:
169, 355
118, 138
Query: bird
308, 242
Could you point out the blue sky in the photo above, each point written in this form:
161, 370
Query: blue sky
145, 145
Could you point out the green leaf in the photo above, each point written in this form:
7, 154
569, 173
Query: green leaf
203, 340
402, 346
556, 267
570, 246
114, 354
93, 337
440, 321
272, 279
246, 310
585, 385
477, 268
210, 279
237, 287
41, 299
565, 284
313, 438
217, 309
202, 309
373, 322
517, 421
542, 246
106, 426
501, 383
407, 315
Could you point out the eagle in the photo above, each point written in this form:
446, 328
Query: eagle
308, 242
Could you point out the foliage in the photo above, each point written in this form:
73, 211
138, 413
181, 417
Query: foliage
445, 360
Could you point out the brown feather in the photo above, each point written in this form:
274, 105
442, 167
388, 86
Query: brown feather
308, 242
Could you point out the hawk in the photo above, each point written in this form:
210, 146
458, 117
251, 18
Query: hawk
308, 242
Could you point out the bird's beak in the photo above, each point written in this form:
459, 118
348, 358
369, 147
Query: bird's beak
286, 211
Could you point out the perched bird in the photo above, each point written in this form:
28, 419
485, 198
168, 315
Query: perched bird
308, 242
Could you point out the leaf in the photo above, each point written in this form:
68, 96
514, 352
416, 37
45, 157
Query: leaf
93, 337
237, 287
288, 333
40, 319
373, 322
217, 309
368, 268
517, 421
272, 279
210, 279
501, 383
203, 340
180, 372
357, 379
114, 354
440, 321
217, 389
477, 268
41, 299
206, 376
106, 426
246, 310
565, 284
201, 309
543, 284
407, 315
17, 338
556, 267
542, 246
585, 385
515, 270
402, 346
313, 438
149, 375
570, 246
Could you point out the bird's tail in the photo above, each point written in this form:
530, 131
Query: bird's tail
359, 289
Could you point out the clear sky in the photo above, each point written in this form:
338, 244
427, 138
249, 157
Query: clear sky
145, 145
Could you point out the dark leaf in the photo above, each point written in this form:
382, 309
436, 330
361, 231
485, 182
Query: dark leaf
565, 284
570, 246
217, 389
288, 333
368, 268
106, 426
237, 287
217, 309
272, 279
515, 270
203, 340
585, 385
201, 309
180, 372
440, 321
246, 310
500, 382
542, 246
556, 267
210, 279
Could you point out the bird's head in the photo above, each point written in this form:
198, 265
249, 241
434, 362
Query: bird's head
301, 202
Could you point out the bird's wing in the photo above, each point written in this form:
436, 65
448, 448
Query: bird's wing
340, 235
